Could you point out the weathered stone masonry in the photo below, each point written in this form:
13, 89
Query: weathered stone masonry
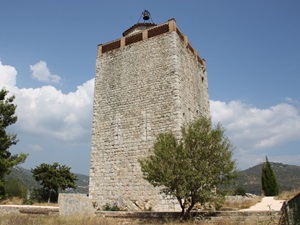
148, 82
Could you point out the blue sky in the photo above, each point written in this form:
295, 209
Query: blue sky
252, 49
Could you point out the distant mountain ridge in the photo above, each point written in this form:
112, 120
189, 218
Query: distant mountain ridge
25, 176
250, 179
288, 177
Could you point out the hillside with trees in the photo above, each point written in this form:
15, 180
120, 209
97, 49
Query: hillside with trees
25, 176
288, 177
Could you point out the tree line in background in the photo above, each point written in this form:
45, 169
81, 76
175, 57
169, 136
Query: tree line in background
53, 178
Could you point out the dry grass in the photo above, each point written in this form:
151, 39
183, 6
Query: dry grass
21, 201
286, 195
59, 220
14, 219
12, 201
52, 220
243, 203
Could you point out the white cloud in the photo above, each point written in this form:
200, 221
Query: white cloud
41, 72
259, 128
47, 112
256, 131
8, 75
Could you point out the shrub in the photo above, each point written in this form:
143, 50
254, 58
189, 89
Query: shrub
240, 191
108, 207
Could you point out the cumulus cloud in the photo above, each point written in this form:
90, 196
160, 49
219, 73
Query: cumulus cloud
260, 128
48, 112
255, 131
8, 75
41, 72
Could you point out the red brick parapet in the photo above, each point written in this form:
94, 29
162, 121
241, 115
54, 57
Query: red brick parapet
152, 31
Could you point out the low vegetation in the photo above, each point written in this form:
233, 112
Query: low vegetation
13, 219
286, 195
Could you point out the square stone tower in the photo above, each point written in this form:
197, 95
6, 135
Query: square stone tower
147, 82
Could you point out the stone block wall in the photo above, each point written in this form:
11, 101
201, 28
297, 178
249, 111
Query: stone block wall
142, 89
28, 209
75, 204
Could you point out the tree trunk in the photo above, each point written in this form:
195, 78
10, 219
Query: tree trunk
181, 205
187, 214
49, 196
182, 212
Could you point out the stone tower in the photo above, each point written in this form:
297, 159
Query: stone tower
149, 81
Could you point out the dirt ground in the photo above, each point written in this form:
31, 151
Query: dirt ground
266, 204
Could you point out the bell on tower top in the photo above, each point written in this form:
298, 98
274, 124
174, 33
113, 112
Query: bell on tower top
146, 15
138, 27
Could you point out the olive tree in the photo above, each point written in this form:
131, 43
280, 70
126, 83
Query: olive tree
193, 167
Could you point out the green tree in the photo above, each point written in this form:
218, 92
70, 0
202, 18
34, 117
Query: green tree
192, 168
269, 182
7, 118
54, 178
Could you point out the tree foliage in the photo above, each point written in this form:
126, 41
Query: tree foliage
7, 118
190, 169
269, 181
15, 188
54, 178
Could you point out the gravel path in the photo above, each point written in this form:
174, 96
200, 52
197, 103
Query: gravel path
266, 204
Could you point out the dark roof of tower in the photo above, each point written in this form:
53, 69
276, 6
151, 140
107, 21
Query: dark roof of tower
142, 25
